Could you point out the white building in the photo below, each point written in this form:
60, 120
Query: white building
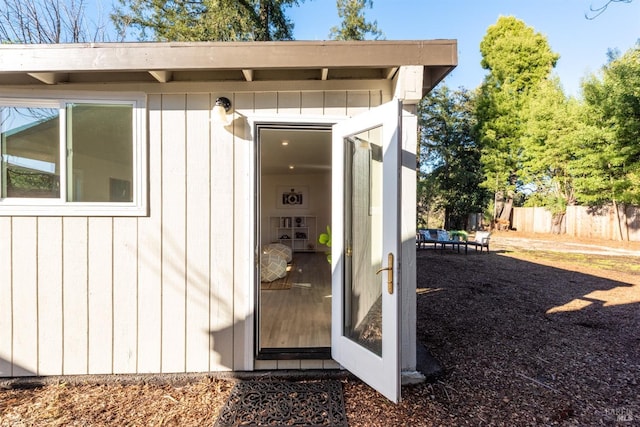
134, 217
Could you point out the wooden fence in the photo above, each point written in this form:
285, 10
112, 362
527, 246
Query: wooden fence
582, 221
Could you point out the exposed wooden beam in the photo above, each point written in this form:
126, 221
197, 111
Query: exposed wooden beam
325, 74
388, 73
50, 78
433, 76
162, 76
248, 75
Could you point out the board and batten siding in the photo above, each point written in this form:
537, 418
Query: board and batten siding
169, 292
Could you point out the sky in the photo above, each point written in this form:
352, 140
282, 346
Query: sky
581, 43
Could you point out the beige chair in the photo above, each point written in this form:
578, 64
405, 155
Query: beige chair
481, 240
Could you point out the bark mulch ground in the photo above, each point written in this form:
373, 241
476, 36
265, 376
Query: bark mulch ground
525, 337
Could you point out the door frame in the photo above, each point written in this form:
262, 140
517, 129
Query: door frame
323, 123
298, 121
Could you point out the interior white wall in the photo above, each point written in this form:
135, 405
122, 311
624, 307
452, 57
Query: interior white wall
319, 203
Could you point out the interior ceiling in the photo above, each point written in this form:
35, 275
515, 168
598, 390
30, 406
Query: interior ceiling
308, 151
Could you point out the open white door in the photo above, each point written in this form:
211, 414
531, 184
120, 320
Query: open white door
365, 335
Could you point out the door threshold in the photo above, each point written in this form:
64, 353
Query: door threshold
307, 353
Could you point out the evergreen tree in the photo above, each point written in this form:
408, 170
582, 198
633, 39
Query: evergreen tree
450, 171
205, 20
606, 168
551, 127
354, 25
517, 59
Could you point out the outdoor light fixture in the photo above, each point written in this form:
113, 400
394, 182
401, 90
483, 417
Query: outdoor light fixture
220, 110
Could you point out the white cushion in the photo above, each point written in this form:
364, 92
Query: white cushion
279, 249
272, 267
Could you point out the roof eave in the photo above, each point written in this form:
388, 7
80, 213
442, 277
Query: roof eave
58, 63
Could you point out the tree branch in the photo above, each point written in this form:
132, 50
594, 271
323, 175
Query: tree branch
600, 10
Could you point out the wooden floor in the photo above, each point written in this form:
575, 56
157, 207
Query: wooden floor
301, 316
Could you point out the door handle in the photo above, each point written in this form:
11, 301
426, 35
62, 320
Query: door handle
389, 270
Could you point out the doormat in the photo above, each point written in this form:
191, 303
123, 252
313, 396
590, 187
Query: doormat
282, 403
281, 284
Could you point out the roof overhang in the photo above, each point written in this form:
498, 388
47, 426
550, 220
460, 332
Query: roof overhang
58, 64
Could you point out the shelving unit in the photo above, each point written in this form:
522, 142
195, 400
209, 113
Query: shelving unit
296, 231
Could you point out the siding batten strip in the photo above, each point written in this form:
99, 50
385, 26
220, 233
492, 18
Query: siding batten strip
137, 302
76, 329
113, 300
25, 321
173, 233
197, 232
221, 242
6, 298
37, 271
100, 299
62, 307
50, 312
289, 103
86, 284
242, 181
161, 211
124, 293
210, 200
185, 235
149, 308
50, 295
335, 103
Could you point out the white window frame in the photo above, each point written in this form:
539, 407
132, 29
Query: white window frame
23, 206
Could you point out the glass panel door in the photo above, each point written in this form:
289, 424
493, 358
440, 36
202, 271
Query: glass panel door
365, 327
363, 239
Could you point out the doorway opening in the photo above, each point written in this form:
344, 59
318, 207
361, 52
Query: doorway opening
293, 273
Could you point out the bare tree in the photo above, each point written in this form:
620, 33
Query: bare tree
48, 21
594, 12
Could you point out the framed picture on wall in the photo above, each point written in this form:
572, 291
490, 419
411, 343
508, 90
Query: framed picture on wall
292, 196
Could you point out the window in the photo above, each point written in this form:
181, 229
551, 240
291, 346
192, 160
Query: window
72, 157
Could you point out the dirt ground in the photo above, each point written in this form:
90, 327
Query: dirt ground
531, 334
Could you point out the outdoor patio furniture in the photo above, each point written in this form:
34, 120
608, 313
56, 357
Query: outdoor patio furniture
481, 240
438, 237
431, 236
